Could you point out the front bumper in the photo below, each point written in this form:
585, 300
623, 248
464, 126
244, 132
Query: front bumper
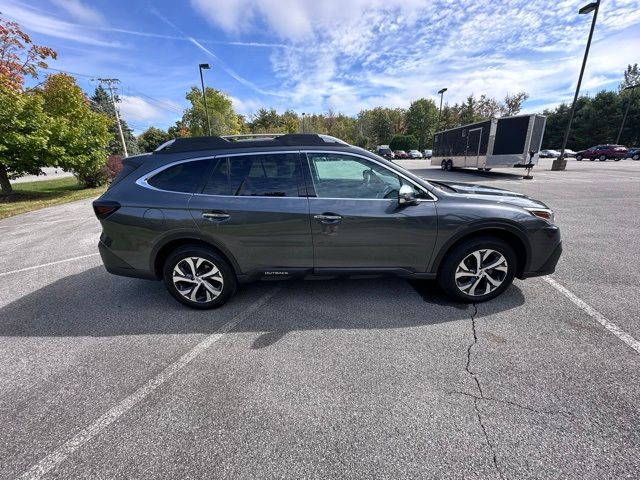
549, 266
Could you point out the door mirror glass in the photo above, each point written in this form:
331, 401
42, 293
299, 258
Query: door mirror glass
406, 196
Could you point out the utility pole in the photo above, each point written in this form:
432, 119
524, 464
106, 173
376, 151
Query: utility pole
626, 110
560, 163
441, 93
110, 82
205, 66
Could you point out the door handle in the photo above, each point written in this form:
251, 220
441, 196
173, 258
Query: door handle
216, 216
328, 218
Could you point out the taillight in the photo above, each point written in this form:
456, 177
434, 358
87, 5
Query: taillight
103, 209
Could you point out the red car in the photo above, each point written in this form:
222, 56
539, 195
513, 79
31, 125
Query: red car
603, 152
401, 154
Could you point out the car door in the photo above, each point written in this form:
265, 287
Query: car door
254, 206
356, 221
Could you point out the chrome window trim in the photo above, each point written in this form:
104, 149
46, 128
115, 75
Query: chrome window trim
432, 198
143, 180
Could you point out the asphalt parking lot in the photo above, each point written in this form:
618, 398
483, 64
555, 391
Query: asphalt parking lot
109, 377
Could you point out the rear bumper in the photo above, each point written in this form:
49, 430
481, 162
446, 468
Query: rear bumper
117, 266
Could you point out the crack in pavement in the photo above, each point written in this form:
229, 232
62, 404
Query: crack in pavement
479, 387
492, 399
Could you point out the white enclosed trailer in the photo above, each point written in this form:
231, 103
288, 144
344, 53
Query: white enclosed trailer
499, 142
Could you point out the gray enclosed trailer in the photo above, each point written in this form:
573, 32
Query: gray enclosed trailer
499, 142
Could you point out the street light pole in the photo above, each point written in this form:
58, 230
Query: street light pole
560, 163
441, 92
205, 66
626, 110
303, 114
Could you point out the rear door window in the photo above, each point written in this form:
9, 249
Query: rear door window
256, 175
185, 177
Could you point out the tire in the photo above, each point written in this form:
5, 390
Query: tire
602, 158
443, 165
202, 259
636, 156
579, 158
449, 166
494, 249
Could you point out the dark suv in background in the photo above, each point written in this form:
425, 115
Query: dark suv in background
206, 213
602, 153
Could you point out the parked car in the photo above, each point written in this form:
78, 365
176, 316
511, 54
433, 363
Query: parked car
414, 154
205, 213
634, 153
386, 153
602, 153
400, 154
427, 153
549, 154
569, 153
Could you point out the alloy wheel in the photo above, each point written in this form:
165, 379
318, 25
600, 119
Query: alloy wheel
197, 279
481, 272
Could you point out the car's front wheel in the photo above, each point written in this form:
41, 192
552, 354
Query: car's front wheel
602, 158
478, 269
199, 277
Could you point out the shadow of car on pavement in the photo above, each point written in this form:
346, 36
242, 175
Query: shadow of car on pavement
95, 303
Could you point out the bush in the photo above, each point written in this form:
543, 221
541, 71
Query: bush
92, 176
403, 142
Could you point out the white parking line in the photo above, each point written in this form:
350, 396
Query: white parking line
48, 264
88, 433
597, 316
20, 225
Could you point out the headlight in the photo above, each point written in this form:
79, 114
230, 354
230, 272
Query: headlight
543, 213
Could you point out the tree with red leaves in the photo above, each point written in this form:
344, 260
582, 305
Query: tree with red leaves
19, 57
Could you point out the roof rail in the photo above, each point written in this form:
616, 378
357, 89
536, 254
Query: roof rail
190, 144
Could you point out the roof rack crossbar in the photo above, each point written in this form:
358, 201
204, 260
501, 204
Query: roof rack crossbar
190, 144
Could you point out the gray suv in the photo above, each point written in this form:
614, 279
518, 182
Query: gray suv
205, 213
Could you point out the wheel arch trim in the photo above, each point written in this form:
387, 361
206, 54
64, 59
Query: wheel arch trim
484, 228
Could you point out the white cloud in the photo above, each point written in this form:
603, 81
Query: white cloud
134, 108
35, 20
79, 12
356, 54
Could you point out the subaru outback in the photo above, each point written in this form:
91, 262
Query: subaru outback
203, 214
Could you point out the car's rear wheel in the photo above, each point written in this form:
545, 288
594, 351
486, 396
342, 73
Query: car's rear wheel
478, 269
602, 158
199, 277
579, 158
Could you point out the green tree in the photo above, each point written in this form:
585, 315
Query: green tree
152, 138
631, 76
79, 136
25, 134
513, 103
101, 103
469, 111
224, 120
403, 142
422, 117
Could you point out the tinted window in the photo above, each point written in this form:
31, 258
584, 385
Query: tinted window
345, 176
184, 177
265, 175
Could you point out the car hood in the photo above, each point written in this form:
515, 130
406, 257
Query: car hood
482, 192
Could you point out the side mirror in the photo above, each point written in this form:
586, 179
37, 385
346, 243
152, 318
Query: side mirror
406, 196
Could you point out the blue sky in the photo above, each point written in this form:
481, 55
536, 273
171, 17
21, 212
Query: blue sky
344, 55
